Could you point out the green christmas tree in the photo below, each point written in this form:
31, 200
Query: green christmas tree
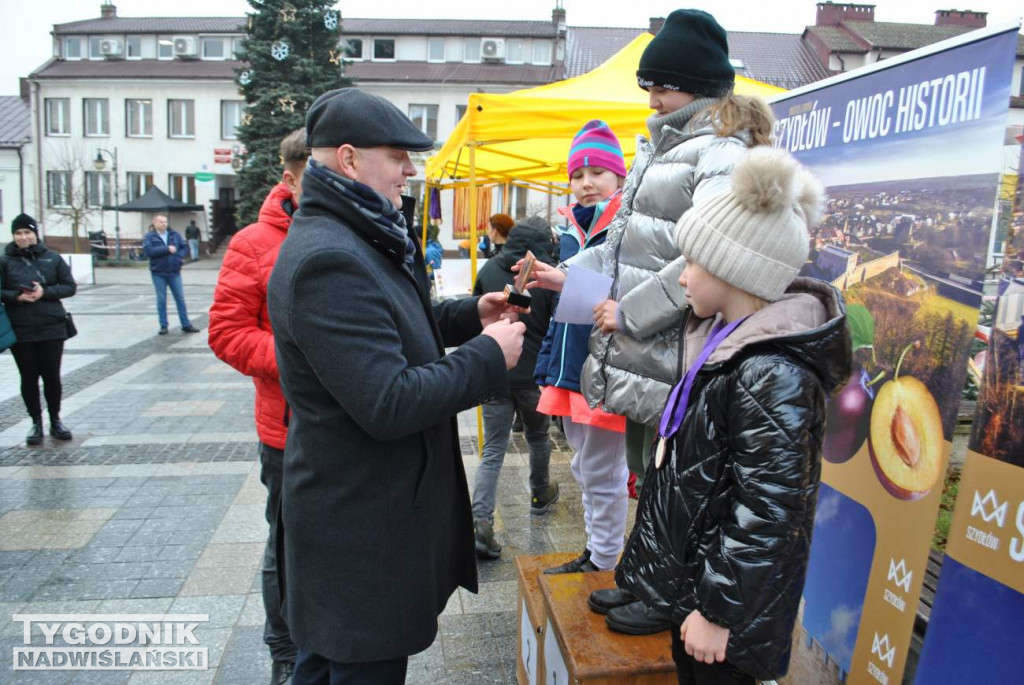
292, 56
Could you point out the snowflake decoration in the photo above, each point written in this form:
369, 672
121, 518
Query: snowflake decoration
279, 50
245, 78
331, 21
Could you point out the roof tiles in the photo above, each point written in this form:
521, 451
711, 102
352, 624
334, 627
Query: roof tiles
15, 121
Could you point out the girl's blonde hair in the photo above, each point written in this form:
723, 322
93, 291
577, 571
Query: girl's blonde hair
733, 113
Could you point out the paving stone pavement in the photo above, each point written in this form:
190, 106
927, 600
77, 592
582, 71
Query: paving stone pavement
156, 505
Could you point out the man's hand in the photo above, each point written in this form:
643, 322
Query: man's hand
494, 307
542, 276
172, 249
703, 640
605, 316
509, 337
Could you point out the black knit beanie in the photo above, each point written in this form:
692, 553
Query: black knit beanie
690, 54
24, 221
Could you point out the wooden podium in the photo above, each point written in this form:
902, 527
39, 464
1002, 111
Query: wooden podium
569, 643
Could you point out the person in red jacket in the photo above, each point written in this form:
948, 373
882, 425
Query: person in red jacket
240, 335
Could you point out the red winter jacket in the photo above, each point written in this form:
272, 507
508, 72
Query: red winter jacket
240, 333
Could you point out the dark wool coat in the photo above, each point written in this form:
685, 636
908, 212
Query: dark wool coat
532, 234
725, 525
44, 318
378, 530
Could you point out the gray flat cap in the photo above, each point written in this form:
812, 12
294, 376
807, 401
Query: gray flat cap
349, 115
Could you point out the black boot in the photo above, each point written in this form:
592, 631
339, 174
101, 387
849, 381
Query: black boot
35, 434
58, 429
580, 564
603, 601
636, 619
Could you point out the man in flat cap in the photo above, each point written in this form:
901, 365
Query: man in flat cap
376, 512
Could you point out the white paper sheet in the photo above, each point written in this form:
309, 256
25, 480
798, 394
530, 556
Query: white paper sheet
583, 290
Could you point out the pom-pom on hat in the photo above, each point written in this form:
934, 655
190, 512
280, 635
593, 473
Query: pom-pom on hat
754, 236
24, 221
596, 145
690, 54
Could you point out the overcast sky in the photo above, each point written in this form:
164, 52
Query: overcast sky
25, 40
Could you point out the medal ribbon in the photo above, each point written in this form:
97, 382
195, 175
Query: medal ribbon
672, 417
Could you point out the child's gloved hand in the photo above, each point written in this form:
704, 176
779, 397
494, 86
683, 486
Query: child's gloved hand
703, 640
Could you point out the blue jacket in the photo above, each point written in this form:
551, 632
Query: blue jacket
565, 347
161, 261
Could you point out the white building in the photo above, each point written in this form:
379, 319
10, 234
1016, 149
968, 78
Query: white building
17, 190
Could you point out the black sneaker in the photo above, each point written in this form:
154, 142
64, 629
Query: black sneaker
580, 564
543, 499
189, 329
486, 546
163, 330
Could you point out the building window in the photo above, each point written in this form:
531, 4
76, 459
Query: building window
460, 111
542, 52
383, 48
237, 46
58, 188
138, 183
97, 188
514, 51
165, 47
96, 113
230, 118
425, 117
435, 49
471, 50
182, 187
139, 118
181, 118
133, 47
352, 48
58, 116
213, 48
73, 48
94, 47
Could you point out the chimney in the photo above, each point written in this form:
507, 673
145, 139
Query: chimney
558, 19
832, 13
108, 10
655, 24
975, 20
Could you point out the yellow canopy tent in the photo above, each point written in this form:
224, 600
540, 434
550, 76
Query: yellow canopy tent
525, 135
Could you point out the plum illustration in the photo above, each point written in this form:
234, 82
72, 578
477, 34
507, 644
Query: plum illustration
905, 440
848, 419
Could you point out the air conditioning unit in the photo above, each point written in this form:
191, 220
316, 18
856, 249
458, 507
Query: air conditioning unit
186, 47
112, 48
493, 49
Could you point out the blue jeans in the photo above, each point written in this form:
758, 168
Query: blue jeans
193, 248
498, 417
161, 283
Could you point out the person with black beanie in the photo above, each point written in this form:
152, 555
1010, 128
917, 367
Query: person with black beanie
34, 279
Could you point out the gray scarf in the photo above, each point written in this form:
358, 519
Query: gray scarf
677, 119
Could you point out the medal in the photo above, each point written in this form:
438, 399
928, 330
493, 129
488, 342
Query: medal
659, 453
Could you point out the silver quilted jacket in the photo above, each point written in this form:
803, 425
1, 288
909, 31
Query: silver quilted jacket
631, 371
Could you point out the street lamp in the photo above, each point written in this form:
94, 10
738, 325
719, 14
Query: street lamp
100, 164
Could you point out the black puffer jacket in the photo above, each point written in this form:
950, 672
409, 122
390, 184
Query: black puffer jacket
532, 234
725, 525
44, 318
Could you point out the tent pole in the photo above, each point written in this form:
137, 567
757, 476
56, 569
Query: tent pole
426, 215
473, 213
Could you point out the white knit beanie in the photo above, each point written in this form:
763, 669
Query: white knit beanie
754, 236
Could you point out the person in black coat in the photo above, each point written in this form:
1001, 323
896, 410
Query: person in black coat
522, 395
376, 513
34, 281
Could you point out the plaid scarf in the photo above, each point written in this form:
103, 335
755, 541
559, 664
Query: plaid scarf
374, 206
